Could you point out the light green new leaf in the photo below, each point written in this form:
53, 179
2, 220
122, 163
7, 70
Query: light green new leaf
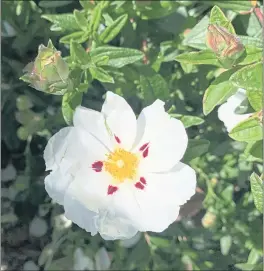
96, 17
249, 77
118, 57
247, 130
255, 149
196, 37
196, 147
78, 37
62, 22
101, 75
113, 30
219, 90
202, 57
257, 190
253, 54
218, 17
70, 101
225, 244
189, 121
81, 20
230, 4
253, 41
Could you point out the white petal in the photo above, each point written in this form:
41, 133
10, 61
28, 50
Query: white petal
166, 136
120, 119
56, 183
128, 243
157, 206
80, 215
102, 260
226, 111
66, 155
93, 122
113, 226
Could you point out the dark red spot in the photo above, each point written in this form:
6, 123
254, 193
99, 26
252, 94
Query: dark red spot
117, 139
143, 180
143, 147
139, 185
145, 152
97, 166
111, 189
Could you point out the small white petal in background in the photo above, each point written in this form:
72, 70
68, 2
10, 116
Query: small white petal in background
226, 111
102, 260
128, 243
81, 261
38, 227
30, 266
8, 173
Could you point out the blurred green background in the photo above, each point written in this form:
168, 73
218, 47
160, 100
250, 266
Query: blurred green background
219, 229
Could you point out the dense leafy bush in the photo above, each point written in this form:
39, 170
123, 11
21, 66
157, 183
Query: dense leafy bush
194, 55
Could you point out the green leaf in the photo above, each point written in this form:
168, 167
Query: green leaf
245, 266
70, 101
113, 29
81, 19
253, 54
219, 90
62, 22
247, 130
249, 77
196, 147
230, 4
78, 53
54, 4
160, 242
246, 40
253, 256
153, 85
225, 244
95, 18
257, 190
255, 149
118, 57
218, 17
196, 37
189, 121
78, 37
202, 57
101, 75
255, 99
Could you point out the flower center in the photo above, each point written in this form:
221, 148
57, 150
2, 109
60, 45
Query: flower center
122, 165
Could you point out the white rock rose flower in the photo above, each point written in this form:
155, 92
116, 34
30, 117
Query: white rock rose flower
117, 175
226, 111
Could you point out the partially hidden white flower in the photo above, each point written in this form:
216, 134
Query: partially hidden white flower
226, 112
101, 260
117, 175
128, 243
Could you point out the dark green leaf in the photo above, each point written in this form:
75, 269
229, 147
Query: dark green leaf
70, 101
196, 147
118, 57
230, 4
101, 75
62, 22
112, 30
54, 4
81, 19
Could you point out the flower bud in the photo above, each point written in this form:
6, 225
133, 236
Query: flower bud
49, 72
225, 45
